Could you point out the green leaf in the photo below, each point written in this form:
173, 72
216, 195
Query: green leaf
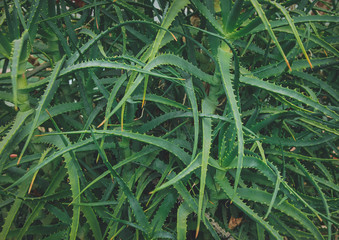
293, 28
19, 57
226, 187
208, 107
288, 93
183, 211
208, 15
138, 211
285, 207
5, 46
45, 100
108, 64
224, 63
11, 215
268, 28
189, 169
233, 16
54, 184
19, 121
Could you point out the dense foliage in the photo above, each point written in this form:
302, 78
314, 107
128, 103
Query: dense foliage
182, 119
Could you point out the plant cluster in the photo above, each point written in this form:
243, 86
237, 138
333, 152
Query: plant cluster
181, 119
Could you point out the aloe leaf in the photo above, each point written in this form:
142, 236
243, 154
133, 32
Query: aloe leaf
300, 19
22, 190
182, 214
155, 62
123, 29
189, 169
93, 115
252, 162
285, 207
299, 156
72, 59
161, 119
19, 58
226, 187
328, 184
268, 27
98, 204
138, 211
208, 15
233, 16
298, 65
61, 214
128, 223
54, 184
21, 16
134, 157
319, 125
318, 62
276, 189
300, 143
92, 221
109, 105
171, 14
93, 35
191, 96
43, 156
45, 100
163, 235
156, 141
34, 13
311, 78
162, 100
5, 46
56, 32
73, 175
68, 13
18, 122
288, 93
130, 8
73, 170
208, 107
188, 199
164, 209
170, 59
316, 186
108, 64
224, 63
293, 28
319, 41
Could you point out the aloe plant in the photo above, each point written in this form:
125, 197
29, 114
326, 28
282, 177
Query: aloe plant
169, 119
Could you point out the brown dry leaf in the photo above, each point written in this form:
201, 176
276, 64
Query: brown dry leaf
234, 222
195, 21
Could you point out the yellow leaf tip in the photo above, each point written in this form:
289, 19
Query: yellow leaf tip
102, 123
18, 162
197, 233
174, 37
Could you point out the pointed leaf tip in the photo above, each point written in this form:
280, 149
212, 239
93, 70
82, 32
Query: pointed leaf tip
288, 64
197, 232
309, 61
102, 123
173, 36
18, 162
